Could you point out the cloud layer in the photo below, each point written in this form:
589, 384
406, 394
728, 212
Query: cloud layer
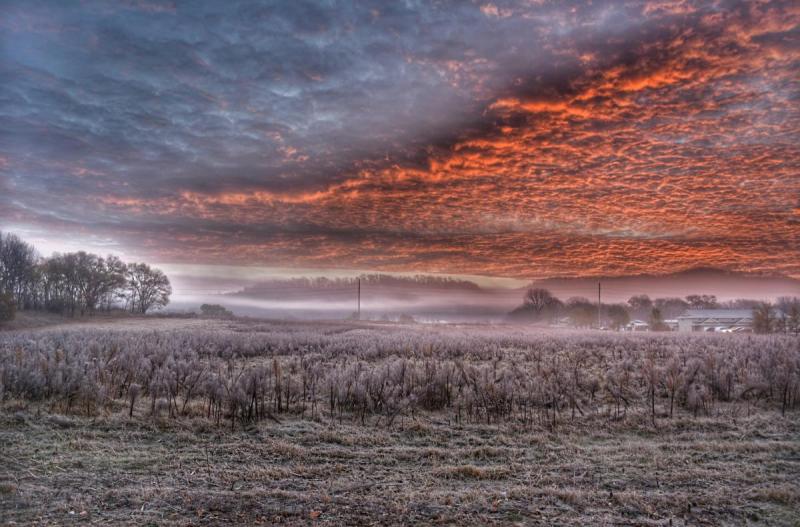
521, 139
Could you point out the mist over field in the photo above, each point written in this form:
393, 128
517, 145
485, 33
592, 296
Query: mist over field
463, 299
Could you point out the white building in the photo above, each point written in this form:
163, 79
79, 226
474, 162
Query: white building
637, 325
724, 320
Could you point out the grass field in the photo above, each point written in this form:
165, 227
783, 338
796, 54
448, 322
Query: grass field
728, 462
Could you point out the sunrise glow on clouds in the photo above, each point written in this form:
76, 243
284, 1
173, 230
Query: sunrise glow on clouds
519, 139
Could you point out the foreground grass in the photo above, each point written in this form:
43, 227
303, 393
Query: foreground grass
705, 471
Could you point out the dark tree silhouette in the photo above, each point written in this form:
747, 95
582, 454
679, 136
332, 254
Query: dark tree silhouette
617, 315
763, 318
17, 268
540, 303
75, 283
148, 288
640, 305
702, 301
581, 312
214, 310
657, 321
7, 307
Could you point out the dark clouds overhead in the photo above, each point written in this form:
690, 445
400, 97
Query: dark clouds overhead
516, 138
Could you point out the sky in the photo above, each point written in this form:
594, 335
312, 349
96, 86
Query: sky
519, 139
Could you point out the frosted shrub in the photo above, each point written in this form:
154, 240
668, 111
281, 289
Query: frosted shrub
377, 374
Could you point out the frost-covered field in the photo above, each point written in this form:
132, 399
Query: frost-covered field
195, 421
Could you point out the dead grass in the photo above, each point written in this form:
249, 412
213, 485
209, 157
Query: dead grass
471, 472
133, 472
788, 495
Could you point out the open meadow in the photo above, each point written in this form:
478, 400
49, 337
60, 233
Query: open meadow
169, 421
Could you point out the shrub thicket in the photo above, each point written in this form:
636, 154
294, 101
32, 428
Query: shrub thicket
347, 372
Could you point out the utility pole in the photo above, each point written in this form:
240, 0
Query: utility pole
359, 299
599, 306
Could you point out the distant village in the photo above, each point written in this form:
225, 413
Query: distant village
694, 313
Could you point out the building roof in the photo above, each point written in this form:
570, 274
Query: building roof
717, 313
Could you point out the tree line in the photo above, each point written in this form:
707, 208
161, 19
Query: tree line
540, 305
76, 283
278, 288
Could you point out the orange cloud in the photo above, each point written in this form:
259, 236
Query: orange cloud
687, 156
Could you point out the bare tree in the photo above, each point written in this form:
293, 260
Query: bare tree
17, 268
657, 320
97, 278
115, 282
640, 305
540, 303
763, 318
671, 307
618, 315
581, 311
789, 313
148, 288
702, 301
7, 307
793, 323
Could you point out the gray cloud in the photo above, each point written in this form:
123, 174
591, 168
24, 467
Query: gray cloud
103, 106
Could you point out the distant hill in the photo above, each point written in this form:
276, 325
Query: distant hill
371, 285
426, 296
726, 285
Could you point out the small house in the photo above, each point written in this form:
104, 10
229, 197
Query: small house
716, 320
637, 325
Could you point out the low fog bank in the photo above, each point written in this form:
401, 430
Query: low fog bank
382, 297
439, 307
431, 298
